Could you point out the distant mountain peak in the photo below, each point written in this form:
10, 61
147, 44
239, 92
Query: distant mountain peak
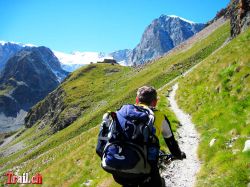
28, 76
162, 35
183, 19
17, 43
10, 49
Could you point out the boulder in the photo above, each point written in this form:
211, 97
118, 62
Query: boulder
247, 146
212, 142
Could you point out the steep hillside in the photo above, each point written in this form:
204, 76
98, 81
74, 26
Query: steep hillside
66, 156
82, 93
217, 95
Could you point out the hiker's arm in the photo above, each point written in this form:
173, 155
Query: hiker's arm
170, 140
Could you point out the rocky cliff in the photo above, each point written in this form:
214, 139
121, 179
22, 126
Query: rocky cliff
239, 12
7, 50
27, 78
162, 35
48, 111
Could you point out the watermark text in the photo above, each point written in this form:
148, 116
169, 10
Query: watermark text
23, 179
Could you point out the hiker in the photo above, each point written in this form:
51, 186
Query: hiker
131, 119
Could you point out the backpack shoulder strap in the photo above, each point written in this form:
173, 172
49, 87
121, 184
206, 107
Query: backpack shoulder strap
145, 109
149, 112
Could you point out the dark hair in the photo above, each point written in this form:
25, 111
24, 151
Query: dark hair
146, 95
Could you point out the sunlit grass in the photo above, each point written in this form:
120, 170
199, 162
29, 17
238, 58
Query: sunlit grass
217, 95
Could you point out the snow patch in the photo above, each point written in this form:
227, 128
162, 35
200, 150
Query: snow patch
174, 16
123, 63
17, 43
71, 62
58, 75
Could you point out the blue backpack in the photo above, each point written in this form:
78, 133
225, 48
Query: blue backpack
127, 141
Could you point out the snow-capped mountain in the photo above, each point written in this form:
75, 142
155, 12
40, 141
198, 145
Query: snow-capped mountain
181, 18
16, 43
8, 49
71, 62
163, 34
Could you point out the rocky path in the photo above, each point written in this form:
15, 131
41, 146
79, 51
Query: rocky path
181, 173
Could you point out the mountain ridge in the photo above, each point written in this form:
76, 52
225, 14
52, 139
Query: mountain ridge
129, 57
165, 40
28, 77
163, 34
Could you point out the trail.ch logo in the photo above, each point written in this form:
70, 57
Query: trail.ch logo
23, 179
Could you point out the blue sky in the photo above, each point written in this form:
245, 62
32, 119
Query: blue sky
92, 25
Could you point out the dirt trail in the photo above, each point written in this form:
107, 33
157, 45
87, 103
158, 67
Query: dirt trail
181, 173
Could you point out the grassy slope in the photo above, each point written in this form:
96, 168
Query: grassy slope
217, 95
67, 157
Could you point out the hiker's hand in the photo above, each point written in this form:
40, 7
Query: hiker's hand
183, 155
180, 156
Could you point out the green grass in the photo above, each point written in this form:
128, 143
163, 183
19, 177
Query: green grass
217, 95
163, 106
68, 156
